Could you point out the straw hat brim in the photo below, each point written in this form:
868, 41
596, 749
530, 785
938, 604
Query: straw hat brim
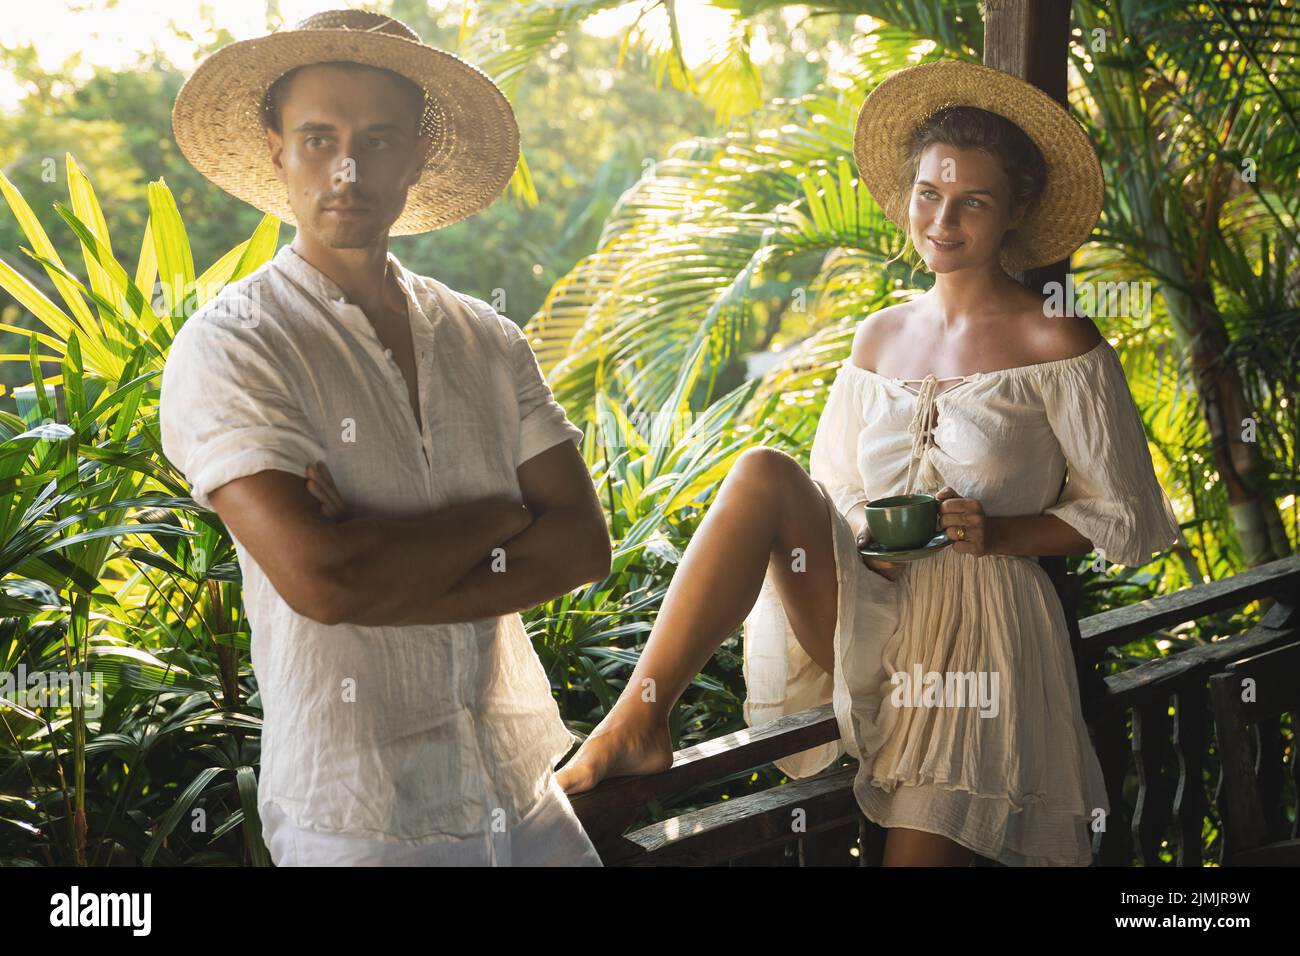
474, 152
1072, 199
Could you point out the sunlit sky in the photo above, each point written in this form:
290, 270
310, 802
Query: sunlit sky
116, 35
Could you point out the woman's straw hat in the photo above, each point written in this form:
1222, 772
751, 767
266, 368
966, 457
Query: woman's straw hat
473, 133
1071, 201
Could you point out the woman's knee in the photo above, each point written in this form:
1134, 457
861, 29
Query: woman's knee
769, 469
763, 462
756, 476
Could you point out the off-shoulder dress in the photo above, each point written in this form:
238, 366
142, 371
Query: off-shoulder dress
1011, 774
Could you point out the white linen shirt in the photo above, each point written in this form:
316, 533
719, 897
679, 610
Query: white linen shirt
413, 734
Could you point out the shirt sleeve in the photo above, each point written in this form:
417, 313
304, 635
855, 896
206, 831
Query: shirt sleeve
1111, 495
833, 459
226, 409
542, 420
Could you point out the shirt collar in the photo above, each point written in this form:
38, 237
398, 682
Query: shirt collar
322, 286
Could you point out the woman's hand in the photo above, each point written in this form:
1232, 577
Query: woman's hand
886, 569
321, 484
964, 521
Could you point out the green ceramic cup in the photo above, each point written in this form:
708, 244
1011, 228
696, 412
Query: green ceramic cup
903, 522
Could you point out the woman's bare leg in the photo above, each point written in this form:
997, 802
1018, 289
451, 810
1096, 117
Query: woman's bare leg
905, 847
766, 509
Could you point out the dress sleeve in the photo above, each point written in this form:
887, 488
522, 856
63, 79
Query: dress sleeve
226, 409
1111, 496
833, 459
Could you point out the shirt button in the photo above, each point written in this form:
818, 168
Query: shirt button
388, 353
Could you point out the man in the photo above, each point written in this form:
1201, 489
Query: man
408, 719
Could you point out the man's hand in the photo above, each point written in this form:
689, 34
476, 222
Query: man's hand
566, 546
321, 484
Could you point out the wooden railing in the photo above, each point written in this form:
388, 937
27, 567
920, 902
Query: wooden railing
1152, 723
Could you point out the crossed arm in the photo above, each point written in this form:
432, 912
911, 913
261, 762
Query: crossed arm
433, 567
567, 544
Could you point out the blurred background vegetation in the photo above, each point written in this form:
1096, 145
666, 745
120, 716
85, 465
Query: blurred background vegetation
690, 251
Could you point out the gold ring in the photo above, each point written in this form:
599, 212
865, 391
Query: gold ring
961, 533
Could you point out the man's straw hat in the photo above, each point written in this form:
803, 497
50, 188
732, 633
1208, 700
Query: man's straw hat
474, 136
1071, 201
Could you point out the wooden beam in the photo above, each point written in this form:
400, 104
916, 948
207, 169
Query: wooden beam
752, 822
1030, 39
1279, 579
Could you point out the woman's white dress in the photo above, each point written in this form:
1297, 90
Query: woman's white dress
1015, 778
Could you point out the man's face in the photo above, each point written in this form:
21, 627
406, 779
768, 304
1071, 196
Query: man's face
347, 152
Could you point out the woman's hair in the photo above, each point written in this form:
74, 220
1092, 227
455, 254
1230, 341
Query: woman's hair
969, 127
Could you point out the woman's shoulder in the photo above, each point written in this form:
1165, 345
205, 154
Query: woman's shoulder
1042, 342
876, 329
1059, 338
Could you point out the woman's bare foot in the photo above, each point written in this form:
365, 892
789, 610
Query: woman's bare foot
617, 748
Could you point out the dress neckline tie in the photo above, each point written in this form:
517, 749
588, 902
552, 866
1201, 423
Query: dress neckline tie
921, 427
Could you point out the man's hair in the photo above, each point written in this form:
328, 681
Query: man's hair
274, 99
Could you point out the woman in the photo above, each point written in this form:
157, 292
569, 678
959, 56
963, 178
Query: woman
973, 391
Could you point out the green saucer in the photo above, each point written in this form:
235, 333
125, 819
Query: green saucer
937, 543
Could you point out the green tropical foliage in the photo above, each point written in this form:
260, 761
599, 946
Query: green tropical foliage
112, 571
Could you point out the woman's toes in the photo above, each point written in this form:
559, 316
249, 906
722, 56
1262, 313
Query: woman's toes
574, 779
585, 769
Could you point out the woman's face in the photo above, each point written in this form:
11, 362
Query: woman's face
959, 209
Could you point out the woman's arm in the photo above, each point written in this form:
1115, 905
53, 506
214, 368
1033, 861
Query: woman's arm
1034, 536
